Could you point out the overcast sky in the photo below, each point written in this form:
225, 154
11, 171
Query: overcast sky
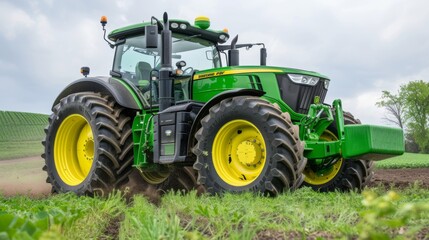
363, 46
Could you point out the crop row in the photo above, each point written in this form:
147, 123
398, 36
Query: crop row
17, 126
20, 118
21, 133
408, 160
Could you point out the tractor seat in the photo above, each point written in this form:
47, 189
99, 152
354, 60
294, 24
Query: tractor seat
143, 70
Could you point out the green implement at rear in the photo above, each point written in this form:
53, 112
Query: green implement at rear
367, 142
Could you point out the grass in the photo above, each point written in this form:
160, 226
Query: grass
64, 216
13, 150
301, 214
408, 160
21, 134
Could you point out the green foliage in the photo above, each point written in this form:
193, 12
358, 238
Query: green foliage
299, 215
407, 160
15, 227
144, 219
410, 108
384, 218
415, 95
58, 216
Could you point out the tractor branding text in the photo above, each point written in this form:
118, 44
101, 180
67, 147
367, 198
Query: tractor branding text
230, 72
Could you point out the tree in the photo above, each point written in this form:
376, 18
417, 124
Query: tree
415, 95
395, 108
409, 109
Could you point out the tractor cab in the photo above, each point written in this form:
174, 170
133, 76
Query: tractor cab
194, 48
140, 65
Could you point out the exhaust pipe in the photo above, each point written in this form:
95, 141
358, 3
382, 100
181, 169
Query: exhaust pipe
166, 94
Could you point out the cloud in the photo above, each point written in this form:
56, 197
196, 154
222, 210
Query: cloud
363, 46
17, 21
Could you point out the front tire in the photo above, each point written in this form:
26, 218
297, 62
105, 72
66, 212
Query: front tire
247, 144
87, 145
343, 174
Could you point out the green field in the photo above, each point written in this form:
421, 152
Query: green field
302, 214
408, 160
21, 134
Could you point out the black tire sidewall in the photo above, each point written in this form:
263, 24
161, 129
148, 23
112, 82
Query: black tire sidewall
65, 111
230, 114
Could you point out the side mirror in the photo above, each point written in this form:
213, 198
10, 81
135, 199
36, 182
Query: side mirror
151, 36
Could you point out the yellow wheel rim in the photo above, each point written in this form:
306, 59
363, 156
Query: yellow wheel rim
74, 149
320, 178
155, 177
239, 153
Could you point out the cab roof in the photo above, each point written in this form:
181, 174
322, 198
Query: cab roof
176, 26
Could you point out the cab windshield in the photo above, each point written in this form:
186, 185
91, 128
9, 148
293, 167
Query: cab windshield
135, 62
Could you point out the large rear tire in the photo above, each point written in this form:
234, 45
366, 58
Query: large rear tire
343, 174
87, 145
247, 144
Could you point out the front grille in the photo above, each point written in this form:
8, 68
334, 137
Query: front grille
299, 97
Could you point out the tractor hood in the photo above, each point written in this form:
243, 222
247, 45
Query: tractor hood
252, 69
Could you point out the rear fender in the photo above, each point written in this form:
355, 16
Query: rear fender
125, 94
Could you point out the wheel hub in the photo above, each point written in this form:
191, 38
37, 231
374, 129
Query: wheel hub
85, 146
249, 152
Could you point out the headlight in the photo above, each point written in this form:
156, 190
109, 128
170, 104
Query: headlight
304, 79
326, 84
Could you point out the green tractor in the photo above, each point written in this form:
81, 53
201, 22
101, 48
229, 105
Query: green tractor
205, 121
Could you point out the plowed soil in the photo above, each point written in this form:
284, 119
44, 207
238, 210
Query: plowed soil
401, 178
25, 177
